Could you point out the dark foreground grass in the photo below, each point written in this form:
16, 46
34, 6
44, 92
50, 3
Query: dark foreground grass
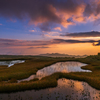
31, 66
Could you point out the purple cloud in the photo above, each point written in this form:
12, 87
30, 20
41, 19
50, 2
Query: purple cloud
48, 13
83, 34
41, 44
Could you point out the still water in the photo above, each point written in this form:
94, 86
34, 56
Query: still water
66, 90
64, 67
11, 63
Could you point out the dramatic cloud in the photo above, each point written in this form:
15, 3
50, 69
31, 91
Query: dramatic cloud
83, 34
72, 41
42, 44
46, 14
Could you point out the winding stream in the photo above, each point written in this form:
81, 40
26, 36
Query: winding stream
65, 90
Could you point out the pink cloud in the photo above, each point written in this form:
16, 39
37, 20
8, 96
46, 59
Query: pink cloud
46, 14
58, 28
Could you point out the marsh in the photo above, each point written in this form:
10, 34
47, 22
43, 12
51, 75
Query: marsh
54, 78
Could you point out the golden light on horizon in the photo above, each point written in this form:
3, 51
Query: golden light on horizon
65, 48
71, 49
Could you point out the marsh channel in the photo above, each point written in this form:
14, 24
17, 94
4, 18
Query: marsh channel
66, 89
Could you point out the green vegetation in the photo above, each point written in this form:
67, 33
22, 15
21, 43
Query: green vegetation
33, 64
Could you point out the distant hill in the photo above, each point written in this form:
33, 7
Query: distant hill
62, 55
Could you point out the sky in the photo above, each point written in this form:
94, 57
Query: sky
32, 27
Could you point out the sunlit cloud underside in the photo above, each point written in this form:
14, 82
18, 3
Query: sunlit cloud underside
32, 27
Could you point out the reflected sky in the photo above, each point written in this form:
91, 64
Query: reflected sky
11, 63
64, 67
66, 90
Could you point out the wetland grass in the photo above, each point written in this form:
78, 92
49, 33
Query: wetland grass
31, 66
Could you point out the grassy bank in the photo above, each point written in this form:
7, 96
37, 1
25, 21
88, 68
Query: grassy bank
24, 70
33, 64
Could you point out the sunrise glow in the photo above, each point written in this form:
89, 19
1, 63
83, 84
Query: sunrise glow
49, 26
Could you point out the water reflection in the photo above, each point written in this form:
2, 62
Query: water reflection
64, 67
66, 90
11, 63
